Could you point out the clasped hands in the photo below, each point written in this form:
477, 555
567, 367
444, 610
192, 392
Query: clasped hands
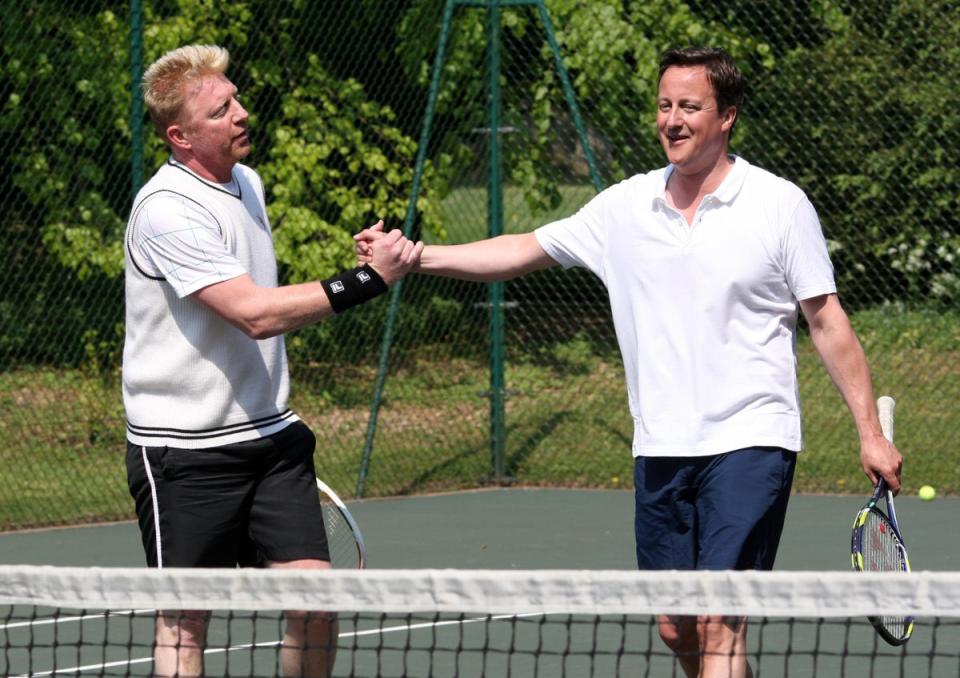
391, 254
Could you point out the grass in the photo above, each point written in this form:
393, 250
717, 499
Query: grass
62, 459
566, 415
567, 424
465, 211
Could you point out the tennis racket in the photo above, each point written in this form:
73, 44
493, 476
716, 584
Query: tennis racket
343, 534
877, 545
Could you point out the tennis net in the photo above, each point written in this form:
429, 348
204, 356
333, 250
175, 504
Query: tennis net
100, 621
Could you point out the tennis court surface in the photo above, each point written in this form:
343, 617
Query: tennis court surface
508, 609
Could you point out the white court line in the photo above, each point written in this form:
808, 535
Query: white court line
59, 620
245, 646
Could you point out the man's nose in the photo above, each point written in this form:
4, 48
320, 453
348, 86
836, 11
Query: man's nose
675, 117
240, 113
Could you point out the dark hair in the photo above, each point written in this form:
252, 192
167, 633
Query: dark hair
722, 73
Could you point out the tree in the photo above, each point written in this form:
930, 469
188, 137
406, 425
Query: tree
611, 49
864, 123
335, 160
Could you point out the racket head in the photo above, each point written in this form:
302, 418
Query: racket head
344, 540
876, 547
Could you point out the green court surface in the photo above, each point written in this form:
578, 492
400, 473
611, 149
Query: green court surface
524, 529
530, 529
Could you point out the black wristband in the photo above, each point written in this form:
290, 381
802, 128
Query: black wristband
353, 287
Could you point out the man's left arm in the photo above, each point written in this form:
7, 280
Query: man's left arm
843, 356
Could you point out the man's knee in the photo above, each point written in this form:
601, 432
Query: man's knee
680, 634
311, 626
722, 630
184, 628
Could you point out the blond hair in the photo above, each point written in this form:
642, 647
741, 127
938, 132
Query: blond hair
164, 81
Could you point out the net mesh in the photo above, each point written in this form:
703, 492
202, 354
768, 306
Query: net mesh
70, 621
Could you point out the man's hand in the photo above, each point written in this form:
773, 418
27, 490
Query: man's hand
880, 457
364, 240
502, 258
390, 254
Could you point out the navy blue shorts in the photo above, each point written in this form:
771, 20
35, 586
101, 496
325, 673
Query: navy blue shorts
233, 505
722, 512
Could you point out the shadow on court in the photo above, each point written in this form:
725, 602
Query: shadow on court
527, 529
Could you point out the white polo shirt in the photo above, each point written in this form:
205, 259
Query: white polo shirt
705, 315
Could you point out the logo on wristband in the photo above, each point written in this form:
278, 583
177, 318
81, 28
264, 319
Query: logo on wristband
353, 287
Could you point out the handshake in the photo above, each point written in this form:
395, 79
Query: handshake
390, 254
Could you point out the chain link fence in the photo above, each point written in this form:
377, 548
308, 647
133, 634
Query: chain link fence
448, 384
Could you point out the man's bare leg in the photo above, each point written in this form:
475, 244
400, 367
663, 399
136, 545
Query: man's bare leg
723, 643
680, 635
180, 640
707, 647
309, 645
310, 642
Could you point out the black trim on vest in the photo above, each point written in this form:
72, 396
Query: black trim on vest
209, 184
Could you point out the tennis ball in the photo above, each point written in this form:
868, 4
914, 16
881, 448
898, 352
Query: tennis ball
927, 493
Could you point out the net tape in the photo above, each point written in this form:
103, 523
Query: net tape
446, 623
592, 592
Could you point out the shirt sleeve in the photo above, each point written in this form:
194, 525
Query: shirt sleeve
177, 239
807, 265
578, 240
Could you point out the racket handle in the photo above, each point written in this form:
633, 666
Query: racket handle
885, 405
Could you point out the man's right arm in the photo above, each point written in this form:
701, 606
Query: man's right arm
501, 258
263, 312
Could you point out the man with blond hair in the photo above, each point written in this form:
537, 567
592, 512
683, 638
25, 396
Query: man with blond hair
215, 458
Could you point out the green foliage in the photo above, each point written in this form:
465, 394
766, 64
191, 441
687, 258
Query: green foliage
336, 164
575, 356
333, 160
891, 329
854, 101
71, 123
423, 310
103, 351
611, 50
872, 115
569, 422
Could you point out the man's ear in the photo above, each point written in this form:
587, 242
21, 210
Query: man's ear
177, 137
729, 116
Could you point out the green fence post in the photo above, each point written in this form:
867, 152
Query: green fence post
495, 292
136, 100
495, 228
570, 96
407, 229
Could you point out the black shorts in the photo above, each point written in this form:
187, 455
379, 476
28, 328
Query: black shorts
230, 505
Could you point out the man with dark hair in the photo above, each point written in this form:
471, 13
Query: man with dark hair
707, 263
722, 74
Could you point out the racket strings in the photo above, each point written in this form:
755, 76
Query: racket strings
882, 552
340, 538
881, 548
